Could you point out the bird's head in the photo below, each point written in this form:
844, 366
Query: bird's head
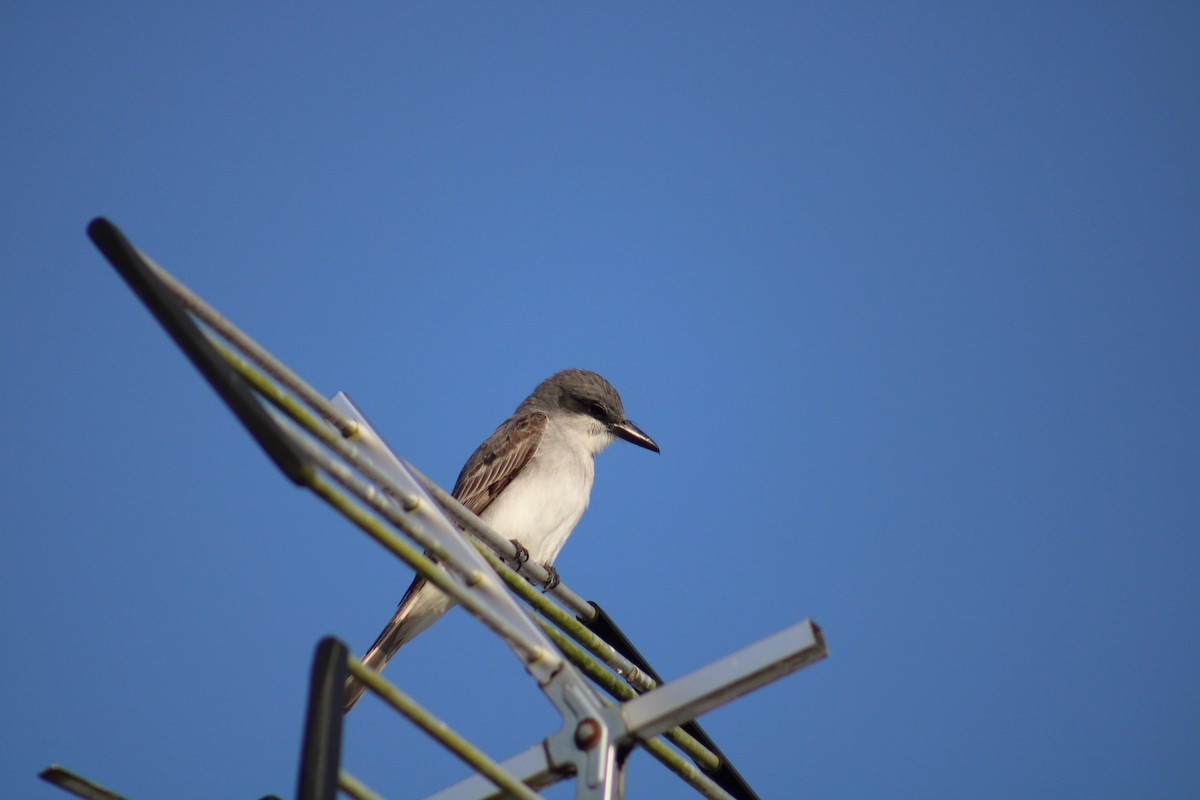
582, 393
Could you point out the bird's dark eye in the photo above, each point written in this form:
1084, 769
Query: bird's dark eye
596, 410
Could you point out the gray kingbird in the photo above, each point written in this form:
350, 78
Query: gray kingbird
530, 480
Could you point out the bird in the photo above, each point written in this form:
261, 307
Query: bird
530, 481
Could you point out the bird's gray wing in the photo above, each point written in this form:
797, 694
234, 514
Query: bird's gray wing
498, 460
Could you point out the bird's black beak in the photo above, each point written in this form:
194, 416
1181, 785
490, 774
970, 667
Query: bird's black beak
632, 433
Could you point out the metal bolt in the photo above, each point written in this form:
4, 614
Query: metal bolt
587, 734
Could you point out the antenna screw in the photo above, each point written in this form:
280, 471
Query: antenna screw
587, 734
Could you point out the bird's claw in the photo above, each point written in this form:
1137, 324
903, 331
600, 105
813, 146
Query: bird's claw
551, 578
522, 554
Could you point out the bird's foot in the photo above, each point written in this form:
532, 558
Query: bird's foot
522, 554
551, 579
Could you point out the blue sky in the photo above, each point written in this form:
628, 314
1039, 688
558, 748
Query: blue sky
908, 295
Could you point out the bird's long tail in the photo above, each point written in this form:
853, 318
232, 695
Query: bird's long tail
420, 607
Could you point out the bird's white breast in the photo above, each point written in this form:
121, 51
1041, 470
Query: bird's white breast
544, 502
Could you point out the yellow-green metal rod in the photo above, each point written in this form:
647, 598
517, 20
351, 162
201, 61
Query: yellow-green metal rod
355, 788
443, 733
686, 770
